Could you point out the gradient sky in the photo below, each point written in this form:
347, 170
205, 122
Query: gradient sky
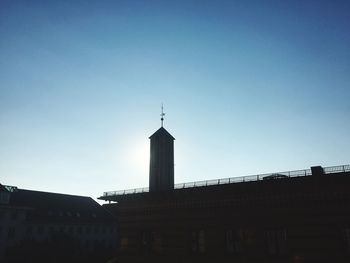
248, 87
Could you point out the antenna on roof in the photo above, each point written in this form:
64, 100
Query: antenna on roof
162, 116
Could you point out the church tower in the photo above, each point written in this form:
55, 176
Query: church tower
161, 169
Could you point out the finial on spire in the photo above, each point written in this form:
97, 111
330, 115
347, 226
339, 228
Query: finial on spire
162, 116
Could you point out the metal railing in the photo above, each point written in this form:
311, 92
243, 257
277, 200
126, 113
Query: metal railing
240, 179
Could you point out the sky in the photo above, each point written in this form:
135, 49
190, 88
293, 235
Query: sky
248, 87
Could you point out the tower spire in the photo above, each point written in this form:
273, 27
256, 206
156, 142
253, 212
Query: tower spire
162, 116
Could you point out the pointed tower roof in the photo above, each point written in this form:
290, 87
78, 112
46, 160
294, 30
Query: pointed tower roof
161, 132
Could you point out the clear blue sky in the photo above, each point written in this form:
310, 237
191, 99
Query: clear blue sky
248, 87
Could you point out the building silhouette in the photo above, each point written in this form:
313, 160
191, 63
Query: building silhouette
161, 171
49, 227
296, 216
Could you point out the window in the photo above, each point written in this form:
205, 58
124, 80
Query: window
347, 238
2, 214
276, 240
40, 230
151, 242
232, 241
146, 240
157, 242
124, 243
11, 233
14, 215
29, 230
198, 241
201, 241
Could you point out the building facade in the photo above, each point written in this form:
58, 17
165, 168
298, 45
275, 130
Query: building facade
50, 227
297, 216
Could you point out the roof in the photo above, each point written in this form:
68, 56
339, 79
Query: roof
332, 170
37, 199
54, 205
289, 187
161, 132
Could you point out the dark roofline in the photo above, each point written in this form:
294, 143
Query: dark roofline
53, 193
109, 196
54, 204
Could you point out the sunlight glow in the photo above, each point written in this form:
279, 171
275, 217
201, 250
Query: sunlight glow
138, 157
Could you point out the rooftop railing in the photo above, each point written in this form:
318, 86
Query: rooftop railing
240, 179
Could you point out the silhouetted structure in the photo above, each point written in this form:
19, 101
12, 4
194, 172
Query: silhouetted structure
297, 216
48, 227
161, 173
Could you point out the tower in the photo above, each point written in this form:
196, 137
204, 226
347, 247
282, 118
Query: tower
161, 170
